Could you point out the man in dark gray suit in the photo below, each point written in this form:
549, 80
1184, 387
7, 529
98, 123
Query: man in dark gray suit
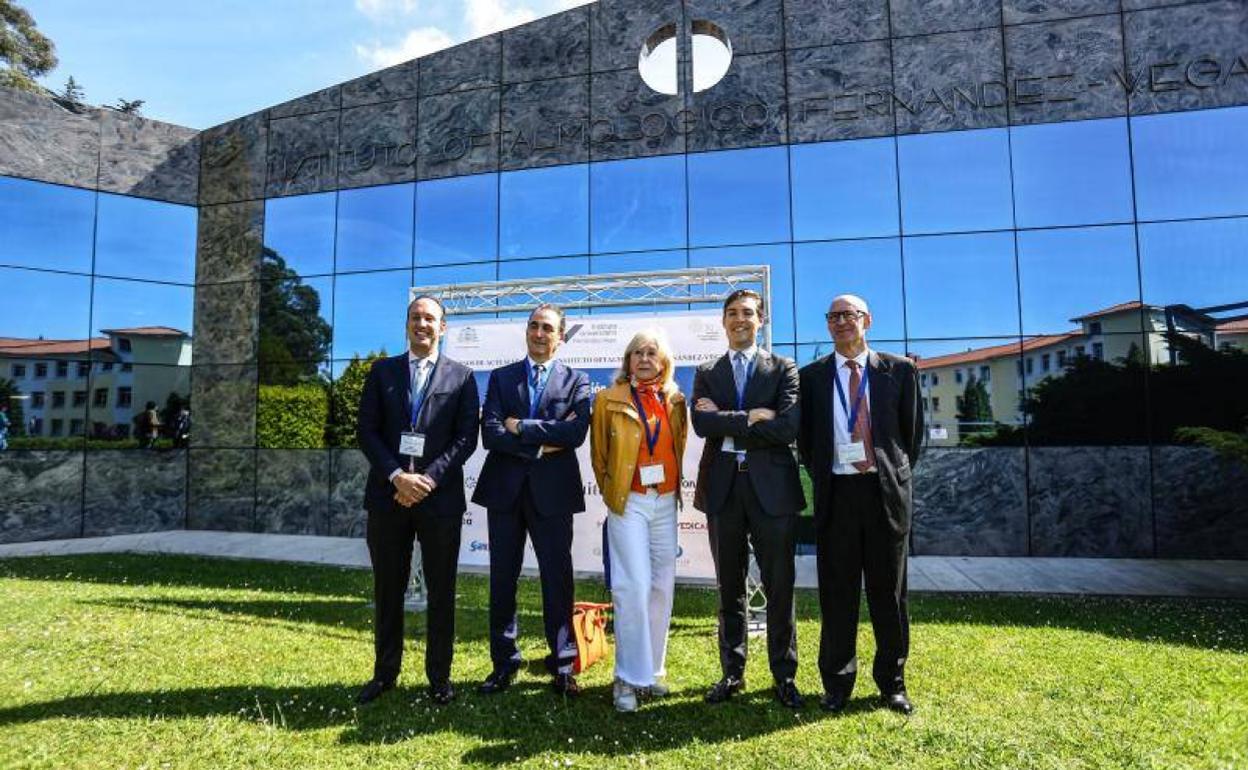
745, 404
862, 428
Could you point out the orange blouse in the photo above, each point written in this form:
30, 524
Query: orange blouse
664, 453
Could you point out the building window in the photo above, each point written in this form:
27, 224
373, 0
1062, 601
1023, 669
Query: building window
1044, 362
107, 366
101, 397
19, 370
935, 403
80, 398
41, 371
1061, 358
1080, 351
36, 426
925, 403
923, 380
1031, 364
58, 399
58, 427
62, 368
985, 374
123, 345
957, 376
76, 427
127, 367
84, 368
1098, 351
935, 379
123, 397
1019, 365
36, 400
1094, 327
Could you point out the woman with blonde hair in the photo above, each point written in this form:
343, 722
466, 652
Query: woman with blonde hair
637, 440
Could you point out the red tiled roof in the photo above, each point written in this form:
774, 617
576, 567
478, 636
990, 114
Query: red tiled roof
1121, 307
1239, 326
27, 348
995, 351
147, 331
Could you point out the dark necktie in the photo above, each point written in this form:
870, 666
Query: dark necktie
861, 429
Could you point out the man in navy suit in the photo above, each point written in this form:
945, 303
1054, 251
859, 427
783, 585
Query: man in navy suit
417, 426
536, 414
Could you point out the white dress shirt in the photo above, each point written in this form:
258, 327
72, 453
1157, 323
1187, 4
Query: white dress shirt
414, 364
841, 431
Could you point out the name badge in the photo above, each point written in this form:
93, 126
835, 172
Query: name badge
729, 445
854, 452
412, 444
651, 475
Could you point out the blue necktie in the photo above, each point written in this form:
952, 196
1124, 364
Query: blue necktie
535, 391
739, 376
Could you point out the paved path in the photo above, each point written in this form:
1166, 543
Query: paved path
982, 574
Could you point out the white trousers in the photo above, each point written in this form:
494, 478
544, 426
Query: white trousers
642, 544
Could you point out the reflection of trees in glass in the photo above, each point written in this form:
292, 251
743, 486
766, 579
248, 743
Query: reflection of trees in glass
974, 409
345, 400
9, 393
293, 335
292, 416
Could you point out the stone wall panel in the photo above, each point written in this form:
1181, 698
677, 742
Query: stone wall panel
377, 144
545, 123
42, 495
232, 160
130, 491
292, 491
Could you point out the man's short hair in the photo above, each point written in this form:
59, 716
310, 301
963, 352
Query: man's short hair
558, 311
745, 294
431, 298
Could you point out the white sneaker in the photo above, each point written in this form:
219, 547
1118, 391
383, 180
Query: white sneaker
659, 689
625, 697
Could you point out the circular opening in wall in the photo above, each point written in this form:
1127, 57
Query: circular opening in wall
658, 61
712, 54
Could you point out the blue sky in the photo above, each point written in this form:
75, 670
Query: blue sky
200, 64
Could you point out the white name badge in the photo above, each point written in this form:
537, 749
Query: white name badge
651, 475
854, 452
729, 445
412, 444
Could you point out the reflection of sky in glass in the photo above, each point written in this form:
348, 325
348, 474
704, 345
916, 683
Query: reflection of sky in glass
301, 230
638, 204
375, 228
541, 268
739, 196
961, 286
545, 212
457, 220
122, 304
1072, 173
45, 225
933, 348
637, 262
370, 313
1065, 274
956, 181
442, 274
48, 305
779, 258
138, 238
1191, 164
1195, 263
844, 189
870, 269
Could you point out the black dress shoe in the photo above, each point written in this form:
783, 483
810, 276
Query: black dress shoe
441, 693
897, 701
724, 689
496, 682
373, 690
834, 701
565, 684
787, 694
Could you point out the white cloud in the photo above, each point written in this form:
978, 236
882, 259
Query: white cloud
417, 42
381, 10
485, 17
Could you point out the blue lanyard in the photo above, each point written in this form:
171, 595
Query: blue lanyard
840, 393
749, 372
651, 440
418, 397
535, 393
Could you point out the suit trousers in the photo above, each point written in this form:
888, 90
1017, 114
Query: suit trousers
643, 560
742, 521
853, 540
552, 543
390, 536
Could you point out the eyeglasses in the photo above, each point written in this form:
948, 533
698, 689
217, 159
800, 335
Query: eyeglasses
842, 316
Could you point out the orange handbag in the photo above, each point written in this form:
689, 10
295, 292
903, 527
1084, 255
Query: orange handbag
589, 621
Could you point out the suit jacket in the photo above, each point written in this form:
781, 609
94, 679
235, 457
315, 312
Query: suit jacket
448, 421
562, 420
772, 469
896, 431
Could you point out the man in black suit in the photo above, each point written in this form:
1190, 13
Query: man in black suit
746, 406
536, 414
417, 425
862, 428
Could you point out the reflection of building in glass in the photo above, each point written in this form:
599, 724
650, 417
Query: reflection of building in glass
1129, 331
68, 385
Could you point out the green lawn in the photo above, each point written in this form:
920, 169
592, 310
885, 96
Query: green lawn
167, 662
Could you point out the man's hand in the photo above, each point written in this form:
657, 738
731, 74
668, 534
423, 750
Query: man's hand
512, 424
704, 404
412, 488
550, 449
761, 413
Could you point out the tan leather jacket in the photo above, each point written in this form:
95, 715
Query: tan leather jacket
615, 436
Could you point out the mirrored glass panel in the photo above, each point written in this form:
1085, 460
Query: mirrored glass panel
46, 389
144, 406
1191, 164
739, 197
961, 286
41, 307
1072, 173
46, 225
779, 259
143, 322
870, 269
956, 181
638, 204
347, 385
300, 230
370, 313
635, 262
1198, 264
137, 238
544, 212
295, 331
292, 410
457, 220
444, 274
971, 391
1079, 277
844, 189
375, 228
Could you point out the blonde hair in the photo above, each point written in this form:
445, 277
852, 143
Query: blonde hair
659, 340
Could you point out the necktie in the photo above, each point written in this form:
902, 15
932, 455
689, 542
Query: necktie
418, 381
535, 385
739, 376
861, 429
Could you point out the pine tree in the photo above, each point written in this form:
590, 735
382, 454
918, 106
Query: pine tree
129, 106
72, 92
974, 409
25, 53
